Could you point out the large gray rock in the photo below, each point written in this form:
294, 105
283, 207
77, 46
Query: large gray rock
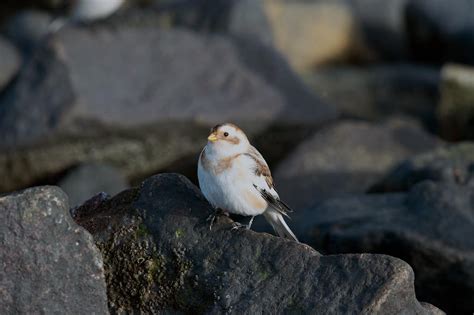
160, 256
346, 158
441, 31
431, 228
9, 62
48, 264
177, 75
376, 92
89, 179
450, 164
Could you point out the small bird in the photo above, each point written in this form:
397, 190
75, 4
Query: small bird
234, 177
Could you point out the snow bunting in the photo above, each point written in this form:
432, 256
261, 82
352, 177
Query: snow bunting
235, 178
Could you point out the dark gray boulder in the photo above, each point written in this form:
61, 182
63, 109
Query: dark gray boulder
440, 31
89, 179
431, 227
49, 264
346, 158
160, 256
450, 164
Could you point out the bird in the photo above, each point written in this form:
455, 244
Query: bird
235, 178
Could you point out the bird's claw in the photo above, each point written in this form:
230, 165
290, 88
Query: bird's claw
237, 226
212, 218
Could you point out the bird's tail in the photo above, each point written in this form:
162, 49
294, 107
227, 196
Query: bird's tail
276, 220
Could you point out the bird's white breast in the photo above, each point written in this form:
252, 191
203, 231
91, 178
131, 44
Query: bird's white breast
232, 189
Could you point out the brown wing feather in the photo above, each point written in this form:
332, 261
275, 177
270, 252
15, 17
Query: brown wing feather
261, 167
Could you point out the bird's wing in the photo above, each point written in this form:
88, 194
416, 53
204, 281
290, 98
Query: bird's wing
266, 187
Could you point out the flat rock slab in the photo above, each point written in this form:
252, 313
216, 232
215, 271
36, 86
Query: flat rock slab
160, 256
346, 158
48, 264
133, 76
431, 227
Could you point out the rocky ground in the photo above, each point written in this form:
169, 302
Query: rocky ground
362, 108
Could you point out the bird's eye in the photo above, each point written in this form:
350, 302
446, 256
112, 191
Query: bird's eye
226, 134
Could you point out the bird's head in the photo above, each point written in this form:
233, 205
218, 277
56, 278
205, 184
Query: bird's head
227, 139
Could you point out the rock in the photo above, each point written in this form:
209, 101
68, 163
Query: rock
248, 19
9, 62
431, 228
160, 257
347, 158
313, 33
303, 106
376, 92
28, 29
383, 26
440, 31
175, 78
450, 164
88, 179
136, 153
456, 109
49, 264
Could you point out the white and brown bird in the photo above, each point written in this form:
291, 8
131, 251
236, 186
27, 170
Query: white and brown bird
234, 177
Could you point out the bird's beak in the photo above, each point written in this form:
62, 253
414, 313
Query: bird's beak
212, 137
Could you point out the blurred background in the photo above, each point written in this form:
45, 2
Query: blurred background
364, 110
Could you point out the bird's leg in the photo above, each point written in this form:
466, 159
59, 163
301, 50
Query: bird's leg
213, 216
250, 222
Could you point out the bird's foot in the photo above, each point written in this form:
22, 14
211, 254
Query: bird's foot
213, 217
238, 226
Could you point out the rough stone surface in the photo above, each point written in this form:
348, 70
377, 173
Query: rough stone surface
177, 75
160, 256
440, 31
456, 109
450, 164
89, 179
380, 91
9, 62
346, 158
431, 228
48, 264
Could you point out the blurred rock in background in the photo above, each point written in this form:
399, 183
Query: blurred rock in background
89, 179
101, 105
347, 158
456, 108
9, 62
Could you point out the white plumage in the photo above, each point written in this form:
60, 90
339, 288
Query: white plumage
234, 177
